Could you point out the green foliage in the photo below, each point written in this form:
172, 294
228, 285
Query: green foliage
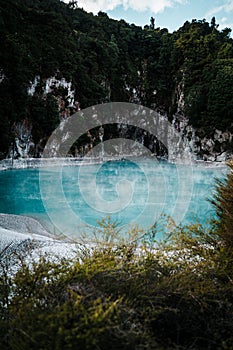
220, 102
44, 115
175, 295
205, 57
107, 59
223, 202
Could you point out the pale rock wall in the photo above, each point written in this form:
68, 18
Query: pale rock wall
214, 149
23, 145
186, 140
2, 76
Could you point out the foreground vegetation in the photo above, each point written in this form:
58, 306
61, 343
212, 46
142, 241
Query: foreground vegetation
177, 295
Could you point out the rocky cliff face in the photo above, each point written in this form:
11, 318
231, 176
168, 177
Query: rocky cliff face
53, 53
213, 148
24, 146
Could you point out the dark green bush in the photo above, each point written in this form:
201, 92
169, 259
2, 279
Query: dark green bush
223, 202
177, 296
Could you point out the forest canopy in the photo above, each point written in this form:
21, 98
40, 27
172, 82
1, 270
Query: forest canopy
110, 60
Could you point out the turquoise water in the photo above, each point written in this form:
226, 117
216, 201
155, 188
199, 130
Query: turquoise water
140, 192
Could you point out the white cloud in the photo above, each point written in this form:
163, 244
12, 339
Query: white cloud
154, 6
226, 7
229, 6
223, 20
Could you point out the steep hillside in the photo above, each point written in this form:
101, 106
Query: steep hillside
56, 58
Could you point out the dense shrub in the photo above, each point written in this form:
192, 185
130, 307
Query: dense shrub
223, 202
177, 296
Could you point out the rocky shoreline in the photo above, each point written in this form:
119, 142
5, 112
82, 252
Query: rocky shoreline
28, 163
19, 232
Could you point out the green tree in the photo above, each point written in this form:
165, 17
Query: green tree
223, 202
152, 23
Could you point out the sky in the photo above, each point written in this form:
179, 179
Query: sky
170, 14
